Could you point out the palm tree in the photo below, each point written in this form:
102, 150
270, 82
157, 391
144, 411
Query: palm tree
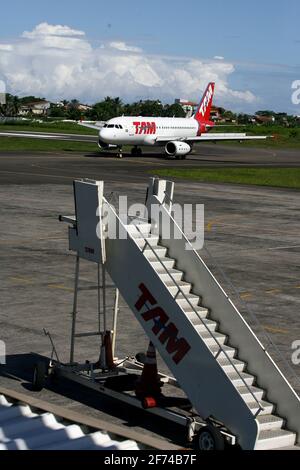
12, 106
74, 104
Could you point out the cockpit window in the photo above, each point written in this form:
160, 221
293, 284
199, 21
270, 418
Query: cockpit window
113, 126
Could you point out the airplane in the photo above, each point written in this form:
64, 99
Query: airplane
176, 135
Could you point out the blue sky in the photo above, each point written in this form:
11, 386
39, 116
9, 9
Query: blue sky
260, 39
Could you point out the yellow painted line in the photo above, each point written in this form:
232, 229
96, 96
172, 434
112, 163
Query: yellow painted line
60, 286
275, 330
209, 226
221, 220
247, 295
273, 291
297, 287
144, 162
213, 222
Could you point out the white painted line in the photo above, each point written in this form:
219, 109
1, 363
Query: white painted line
284, 247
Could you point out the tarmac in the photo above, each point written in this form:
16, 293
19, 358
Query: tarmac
251, 233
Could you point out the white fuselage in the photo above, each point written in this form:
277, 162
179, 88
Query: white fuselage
138, 130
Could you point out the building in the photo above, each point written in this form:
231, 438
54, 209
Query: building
262, 119
216, 114
38, 108
84, 107
187, 106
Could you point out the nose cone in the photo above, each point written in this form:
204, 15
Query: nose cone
104, 134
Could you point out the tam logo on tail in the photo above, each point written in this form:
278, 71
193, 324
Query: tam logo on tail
203, 112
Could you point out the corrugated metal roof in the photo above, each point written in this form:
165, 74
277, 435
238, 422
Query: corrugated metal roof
23, 429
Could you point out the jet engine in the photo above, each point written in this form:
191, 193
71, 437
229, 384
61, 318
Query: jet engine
177, 149
104, 146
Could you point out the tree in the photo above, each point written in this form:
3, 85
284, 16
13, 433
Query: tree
174, 109
12, 106
243, 118
30, 99
229, 116
57, 111
133, 109
151, 108
74, 113
265, 113
73, 104
107, 109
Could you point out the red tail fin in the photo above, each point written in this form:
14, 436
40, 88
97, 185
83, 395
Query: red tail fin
203, 111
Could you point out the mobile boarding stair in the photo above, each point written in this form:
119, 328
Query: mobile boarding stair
217, 360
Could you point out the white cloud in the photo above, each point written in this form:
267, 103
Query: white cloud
59, 62
45, 29
6, 47
219, 57
122, 46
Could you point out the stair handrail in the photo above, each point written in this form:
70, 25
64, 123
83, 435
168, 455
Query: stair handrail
245, 305
252, 315
221, 349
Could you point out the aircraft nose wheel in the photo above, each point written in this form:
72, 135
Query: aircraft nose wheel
210, 438
120, 153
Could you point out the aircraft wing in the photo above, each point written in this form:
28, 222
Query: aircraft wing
96, 126
226, 136
217, 137
50, 136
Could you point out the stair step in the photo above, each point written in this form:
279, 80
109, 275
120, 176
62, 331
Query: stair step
247, 395
237, 381
176, 274
230, 351
269, 422
194, 317
267, 407
143, 228
158, 251
152, 240
188, 300
210, 339
167, 262
173, 288
227, 365
275, 439
199, 323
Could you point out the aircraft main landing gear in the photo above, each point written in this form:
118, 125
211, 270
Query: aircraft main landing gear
120, 154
